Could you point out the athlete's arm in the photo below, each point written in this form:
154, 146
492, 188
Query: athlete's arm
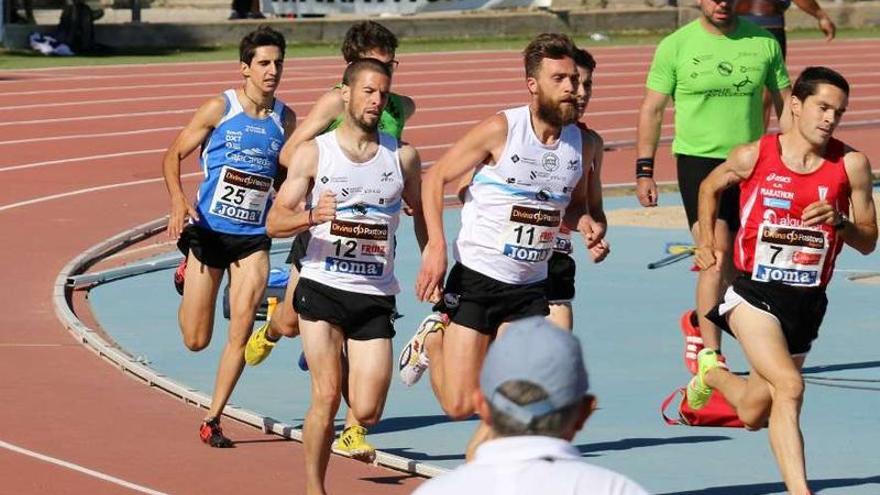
289, 127
203, 122
486, 140
409, 107
578, 212
285, 218
322, 114
826, 25
594, 197
781, 99
860, 232
648, 135
738, 167
411, 164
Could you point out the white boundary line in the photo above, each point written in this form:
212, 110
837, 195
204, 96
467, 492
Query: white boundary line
80, 469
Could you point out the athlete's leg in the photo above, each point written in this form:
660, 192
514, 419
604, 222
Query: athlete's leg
561, 315
456, 356
711, 284
285, 320
765, 348
247, 283
196, 313
322, 344
369, 376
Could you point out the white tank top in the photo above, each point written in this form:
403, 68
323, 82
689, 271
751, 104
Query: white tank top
355, 252
513, 209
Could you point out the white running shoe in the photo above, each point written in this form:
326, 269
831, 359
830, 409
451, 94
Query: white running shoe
413, 359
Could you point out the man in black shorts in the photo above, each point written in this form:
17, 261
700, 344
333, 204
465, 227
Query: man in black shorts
241, 133
529, 172
716, 69
807, 194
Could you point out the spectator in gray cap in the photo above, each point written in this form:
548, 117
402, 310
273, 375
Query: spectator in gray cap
533, 396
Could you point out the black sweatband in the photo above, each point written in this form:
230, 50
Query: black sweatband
311, 224
644, 168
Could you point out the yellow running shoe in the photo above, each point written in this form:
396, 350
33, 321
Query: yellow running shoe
698, 392
353, 442
258, 346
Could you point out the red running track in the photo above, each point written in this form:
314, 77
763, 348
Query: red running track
80, 160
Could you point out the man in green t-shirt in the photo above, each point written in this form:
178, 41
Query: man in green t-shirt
715, 69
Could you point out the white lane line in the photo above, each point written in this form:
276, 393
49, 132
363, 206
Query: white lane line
87, 190
80, 469
81, 159
85, 136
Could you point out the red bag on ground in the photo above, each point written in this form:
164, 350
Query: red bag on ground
717, 412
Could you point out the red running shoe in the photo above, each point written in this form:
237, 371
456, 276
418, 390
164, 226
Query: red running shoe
211, 434
180, 276
693, 340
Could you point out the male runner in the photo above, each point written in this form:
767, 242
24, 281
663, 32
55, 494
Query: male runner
356, 178
365, 39
241, 133
796, 191
716, 69
530, 164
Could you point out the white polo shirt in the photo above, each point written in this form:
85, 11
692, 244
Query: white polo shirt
528, 465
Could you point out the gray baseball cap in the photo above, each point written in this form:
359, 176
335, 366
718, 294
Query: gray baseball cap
536, 351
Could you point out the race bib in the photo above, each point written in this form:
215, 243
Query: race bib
241, 196
529, 234
562, 243
357, 248
790, 255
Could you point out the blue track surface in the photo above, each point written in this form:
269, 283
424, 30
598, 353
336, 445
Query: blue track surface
627, 319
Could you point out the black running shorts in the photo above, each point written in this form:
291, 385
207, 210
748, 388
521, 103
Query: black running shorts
298, 249
360, 316
691, 172
482, 303
219, 250
560, 278
799, 310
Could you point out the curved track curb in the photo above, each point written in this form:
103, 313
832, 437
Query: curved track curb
92, 340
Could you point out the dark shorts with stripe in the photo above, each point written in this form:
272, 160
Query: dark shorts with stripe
799, 310
560, 278
360, 316
219, 250
298, 249
482, 303
691, 172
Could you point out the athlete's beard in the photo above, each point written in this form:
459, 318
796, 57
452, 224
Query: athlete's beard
555, 113
362, 123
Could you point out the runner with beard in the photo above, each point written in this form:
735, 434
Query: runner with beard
354, 180
528, 177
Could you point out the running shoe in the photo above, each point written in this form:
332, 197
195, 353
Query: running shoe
413, 359
698, 392
353, 442
693, 340
180, 276
211, 434
258, 346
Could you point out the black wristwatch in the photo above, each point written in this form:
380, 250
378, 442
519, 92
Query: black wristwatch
841, 222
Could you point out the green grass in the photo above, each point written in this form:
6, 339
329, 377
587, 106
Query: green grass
17, 59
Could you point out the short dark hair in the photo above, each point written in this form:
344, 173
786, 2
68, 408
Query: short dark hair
583, 58
262, 36
365, 36
363, 64
547, 45
552, 424
808, 82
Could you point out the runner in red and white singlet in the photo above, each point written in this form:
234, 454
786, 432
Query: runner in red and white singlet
773, 244
803, 194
